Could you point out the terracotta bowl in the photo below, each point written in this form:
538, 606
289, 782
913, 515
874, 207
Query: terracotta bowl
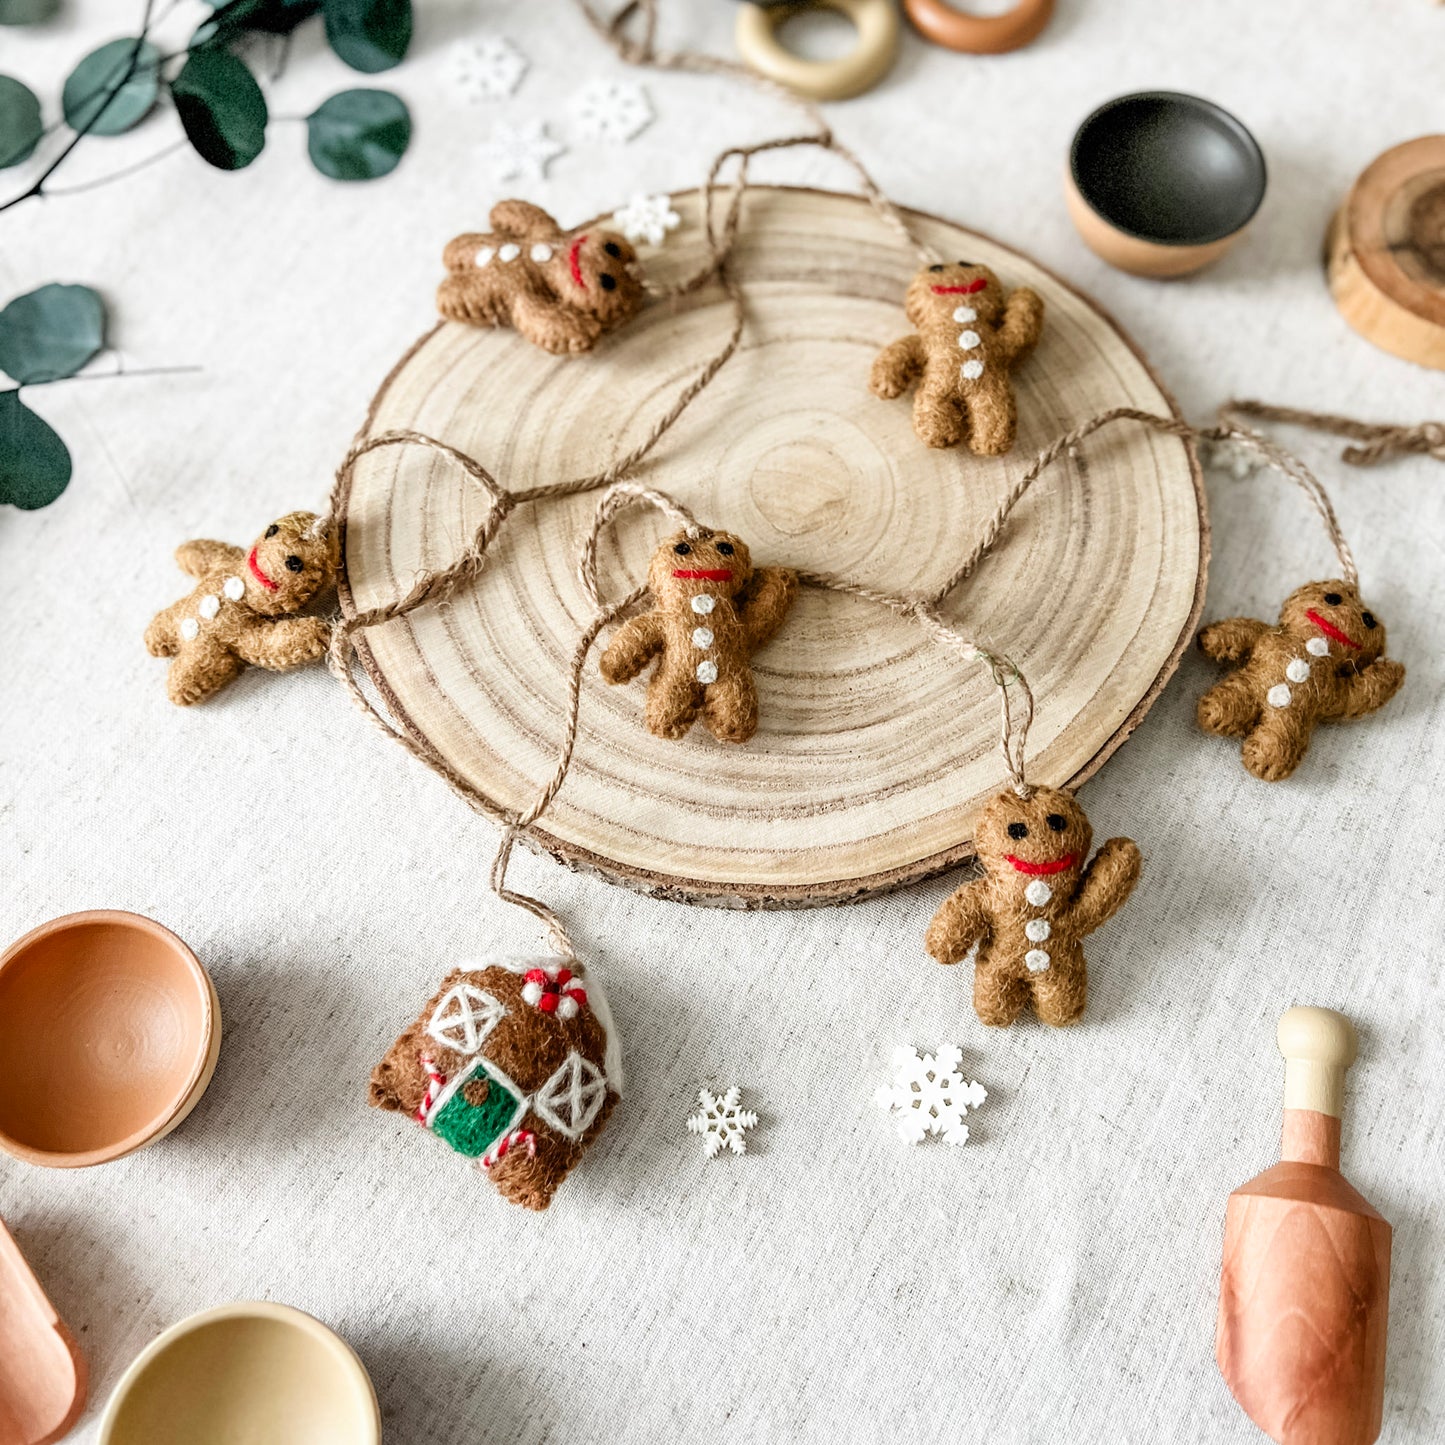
244, 1372
1161, 184
109, 1032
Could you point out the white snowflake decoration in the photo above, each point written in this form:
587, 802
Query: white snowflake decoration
611, 110
928, 1095
520, 152
721, 1121
647, 218
487, 68
1241, 462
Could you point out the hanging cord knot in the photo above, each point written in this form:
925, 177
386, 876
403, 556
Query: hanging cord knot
1378, 441
1427, 439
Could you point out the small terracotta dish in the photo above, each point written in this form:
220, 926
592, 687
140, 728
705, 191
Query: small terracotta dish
109, 1032
244, 1372
42, 1373
1161, 184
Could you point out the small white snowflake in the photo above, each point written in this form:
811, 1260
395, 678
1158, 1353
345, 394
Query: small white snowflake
647, 218
721, 1121
521, 151
1241, 462
487, 68
928, 1095
611, 110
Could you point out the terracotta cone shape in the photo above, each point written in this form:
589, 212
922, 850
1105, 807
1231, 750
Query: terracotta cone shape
1304, 1292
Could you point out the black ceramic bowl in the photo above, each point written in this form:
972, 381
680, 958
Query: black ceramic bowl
1160, 183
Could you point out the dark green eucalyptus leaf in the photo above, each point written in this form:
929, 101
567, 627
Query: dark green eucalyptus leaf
20, 127
240, 17
84, 99
34, 462
369, 35
27, 12
358, 135
51, 333
221, 108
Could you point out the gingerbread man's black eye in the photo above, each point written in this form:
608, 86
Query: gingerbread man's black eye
1057, 822
272, 530
682, 549
1368, 618
295, 564
1018, 830
726, 548
608, 283
612, 248
965, 263
1333, 598
936, 268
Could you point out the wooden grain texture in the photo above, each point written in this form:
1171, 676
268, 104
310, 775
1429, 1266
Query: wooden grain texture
1385, 252
875, 750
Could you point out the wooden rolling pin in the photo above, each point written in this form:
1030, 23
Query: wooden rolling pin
1304, 1292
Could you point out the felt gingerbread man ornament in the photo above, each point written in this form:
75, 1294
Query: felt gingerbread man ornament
560, 291
1026, 918
240, 609
970, 334
1323, 661
711, 610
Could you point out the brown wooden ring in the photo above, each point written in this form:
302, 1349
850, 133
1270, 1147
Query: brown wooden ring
939, 22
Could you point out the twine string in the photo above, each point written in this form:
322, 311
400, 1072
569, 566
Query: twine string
1381, 440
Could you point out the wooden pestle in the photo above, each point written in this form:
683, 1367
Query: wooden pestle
1304, 1290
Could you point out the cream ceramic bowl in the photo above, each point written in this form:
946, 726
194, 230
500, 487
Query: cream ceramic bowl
109, 1033
244, 1374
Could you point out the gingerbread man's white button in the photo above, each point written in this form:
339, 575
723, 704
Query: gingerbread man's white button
1037, 929
971, 370
1038, 893
702, 638
1278, 695
541, 252
189, 628
703, 604
964, 314
484, 255
210, 604
234, 588
1317, 647
1298, 670
1036, 960
969, 339
707, 672
509, 252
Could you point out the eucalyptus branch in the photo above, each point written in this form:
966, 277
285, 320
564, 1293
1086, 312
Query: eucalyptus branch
121, 174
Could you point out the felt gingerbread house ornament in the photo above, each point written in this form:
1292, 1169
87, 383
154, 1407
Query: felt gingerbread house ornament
513, 1063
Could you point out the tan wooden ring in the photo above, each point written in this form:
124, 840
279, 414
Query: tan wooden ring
938, 21
876, 22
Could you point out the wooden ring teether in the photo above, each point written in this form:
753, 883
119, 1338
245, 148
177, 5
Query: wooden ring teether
941, 23
876, 22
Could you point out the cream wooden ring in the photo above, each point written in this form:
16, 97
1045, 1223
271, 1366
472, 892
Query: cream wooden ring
940, 22
876, 22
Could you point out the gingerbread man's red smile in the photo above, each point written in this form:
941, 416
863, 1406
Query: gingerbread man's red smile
1036, 869
704, 574
970, 289
1330, 630
258, 574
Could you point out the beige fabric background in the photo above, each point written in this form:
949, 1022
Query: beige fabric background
1053, 1280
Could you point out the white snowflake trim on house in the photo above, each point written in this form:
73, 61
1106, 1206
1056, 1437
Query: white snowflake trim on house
721, 1121
520, 152
611, 110
647, 218
929, 1096
487, 68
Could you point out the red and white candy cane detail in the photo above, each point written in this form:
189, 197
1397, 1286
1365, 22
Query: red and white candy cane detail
436, 1081
518, 1137
554, 990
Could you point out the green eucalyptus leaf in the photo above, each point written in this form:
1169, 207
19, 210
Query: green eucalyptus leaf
20, 127
358, 135
84, 99
51, 333
369, 35
240, 17
34, 462
221, 108
27, 12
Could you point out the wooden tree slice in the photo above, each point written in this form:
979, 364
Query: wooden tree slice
876, 748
